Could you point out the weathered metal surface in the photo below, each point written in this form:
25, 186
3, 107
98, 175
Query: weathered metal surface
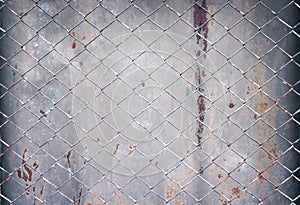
149, 102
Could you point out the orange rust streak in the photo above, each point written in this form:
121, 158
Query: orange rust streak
274, 152
170, 190
26, 168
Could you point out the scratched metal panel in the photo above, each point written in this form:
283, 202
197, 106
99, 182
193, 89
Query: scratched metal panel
149, 102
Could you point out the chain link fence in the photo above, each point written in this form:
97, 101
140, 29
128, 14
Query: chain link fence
149, 102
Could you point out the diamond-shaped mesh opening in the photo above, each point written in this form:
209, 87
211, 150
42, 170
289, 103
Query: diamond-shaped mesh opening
149, 102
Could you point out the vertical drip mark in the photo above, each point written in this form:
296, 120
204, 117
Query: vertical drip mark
201, 29
79, 195
200, 23
201, 107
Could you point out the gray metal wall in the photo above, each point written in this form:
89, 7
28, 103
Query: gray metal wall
149, 102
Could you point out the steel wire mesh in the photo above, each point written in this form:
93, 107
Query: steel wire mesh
149, 102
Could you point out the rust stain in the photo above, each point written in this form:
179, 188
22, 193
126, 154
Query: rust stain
68, 158
200, 22
269, 156
177, 201
26, 175
248, 5
255, 116
116, 150
251, 179
74, 197
74, 41
130, 148
239, 166
19, 173
43, 113
231, 191
260, 176
248, 90
236, 191
170, 189
231, 105
35, 165
79, 195
274, 153
261, 106
74, 44
211, 171
83, 37
97, 192
186, 152
35, 202
201, 113
227, 143
201, 170
222, 200
143, 83
102, 197
43, 187
259, 49
27, 191
201, 29
40, 177
220, 176
211, 9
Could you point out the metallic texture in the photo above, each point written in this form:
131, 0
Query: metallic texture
149, 102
